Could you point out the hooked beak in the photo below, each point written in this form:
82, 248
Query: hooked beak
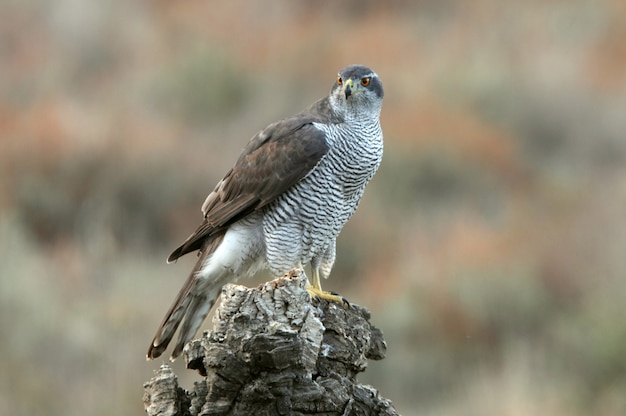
347, 88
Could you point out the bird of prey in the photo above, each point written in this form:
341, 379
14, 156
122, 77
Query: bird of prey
284, 202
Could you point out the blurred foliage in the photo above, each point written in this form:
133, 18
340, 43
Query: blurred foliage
200, 87
489, 247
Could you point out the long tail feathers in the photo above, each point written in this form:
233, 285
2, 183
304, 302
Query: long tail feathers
197, 311
192, 303
172, 319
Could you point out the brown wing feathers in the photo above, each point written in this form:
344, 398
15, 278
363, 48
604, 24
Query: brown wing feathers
273, 161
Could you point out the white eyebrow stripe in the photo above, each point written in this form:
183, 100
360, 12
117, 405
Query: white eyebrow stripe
370, 75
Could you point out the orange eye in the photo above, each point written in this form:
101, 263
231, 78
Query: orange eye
365, 81
339, 81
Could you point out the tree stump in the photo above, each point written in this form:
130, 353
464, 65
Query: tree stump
274, 351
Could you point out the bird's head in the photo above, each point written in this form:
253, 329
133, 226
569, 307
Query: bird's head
357, 90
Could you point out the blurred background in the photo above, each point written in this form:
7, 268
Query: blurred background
490, 247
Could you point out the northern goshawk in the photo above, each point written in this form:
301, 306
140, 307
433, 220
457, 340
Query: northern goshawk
284, 202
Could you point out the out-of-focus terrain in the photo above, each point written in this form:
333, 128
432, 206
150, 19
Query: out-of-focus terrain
490, 247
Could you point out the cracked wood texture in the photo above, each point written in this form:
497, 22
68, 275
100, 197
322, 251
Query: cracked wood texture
273, 351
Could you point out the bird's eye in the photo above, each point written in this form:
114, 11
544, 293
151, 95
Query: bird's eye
339, 81
365, 81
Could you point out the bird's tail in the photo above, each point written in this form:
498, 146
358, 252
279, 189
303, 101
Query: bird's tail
191, 306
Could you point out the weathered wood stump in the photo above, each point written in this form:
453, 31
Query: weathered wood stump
274, 351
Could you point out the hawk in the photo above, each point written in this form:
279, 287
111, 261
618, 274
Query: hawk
284, 202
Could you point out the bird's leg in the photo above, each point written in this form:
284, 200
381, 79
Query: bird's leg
317, 284
316, 292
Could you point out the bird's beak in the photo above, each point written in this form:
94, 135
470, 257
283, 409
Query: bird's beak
347, 88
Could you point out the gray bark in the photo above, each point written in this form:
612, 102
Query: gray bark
274, 351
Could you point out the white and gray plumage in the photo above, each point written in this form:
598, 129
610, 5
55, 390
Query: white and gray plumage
284, 202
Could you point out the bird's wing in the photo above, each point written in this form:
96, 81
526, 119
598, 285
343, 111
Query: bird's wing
273, 161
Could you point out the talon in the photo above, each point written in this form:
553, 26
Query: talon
327, 296
344, 300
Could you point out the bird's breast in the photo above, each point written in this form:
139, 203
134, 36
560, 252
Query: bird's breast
311, 214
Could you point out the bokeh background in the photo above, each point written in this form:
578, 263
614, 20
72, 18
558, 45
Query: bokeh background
490, 247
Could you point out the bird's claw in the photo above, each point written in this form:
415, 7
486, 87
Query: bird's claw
327, 296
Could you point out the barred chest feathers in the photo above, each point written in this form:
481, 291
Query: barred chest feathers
353, 158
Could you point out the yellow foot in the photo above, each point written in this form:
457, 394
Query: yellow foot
328, 296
